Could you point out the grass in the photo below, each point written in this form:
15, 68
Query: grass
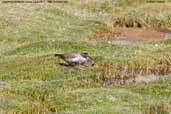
32, 81
149, 16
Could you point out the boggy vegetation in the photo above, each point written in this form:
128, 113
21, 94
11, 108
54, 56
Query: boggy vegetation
31, 82
119, 73
149, 16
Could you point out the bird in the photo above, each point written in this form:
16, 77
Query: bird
74, 58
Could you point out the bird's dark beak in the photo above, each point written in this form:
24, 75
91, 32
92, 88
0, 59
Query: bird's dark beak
92, 60
90, 57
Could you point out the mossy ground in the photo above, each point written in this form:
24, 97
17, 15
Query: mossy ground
33, 81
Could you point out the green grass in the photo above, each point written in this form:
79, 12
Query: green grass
33, 81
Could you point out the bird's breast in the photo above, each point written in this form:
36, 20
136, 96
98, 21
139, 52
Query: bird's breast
77, 59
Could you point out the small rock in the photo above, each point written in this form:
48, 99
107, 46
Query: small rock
156, 45
110, 98
109, 42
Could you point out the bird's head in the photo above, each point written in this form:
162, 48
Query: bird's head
84, 54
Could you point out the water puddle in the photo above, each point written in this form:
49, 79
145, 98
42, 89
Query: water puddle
126, 40
137, 79
145, 79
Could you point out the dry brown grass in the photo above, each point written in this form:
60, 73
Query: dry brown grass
122, 73
163, 107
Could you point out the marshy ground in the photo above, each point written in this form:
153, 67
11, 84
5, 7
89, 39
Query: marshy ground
127, 40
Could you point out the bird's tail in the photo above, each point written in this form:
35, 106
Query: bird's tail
59, 55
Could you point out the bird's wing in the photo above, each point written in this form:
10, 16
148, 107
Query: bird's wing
71, 55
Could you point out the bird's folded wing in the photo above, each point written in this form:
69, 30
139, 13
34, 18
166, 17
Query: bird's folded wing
71, 55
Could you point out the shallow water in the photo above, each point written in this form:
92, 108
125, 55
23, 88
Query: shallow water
146, 79
126, 40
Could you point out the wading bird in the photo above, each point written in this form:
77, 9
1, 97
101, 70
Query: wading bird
74, 58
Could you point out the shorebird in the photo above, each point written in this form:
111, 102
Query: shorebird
74, 58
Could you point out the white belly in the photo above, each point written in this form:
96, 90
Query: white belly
79, 60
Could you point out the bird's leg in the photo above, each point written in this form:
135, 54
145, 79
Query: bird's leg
92, 60
72, 64
85, 64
